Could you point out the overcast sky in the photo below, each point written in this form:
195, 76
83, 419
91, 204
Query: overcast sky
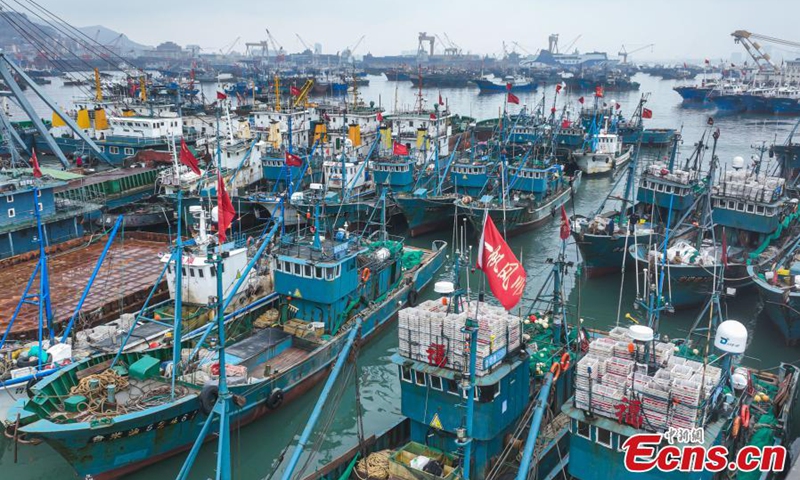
678, 28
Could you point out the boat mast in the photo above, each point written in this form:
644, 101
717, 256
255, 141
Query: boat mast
178, 309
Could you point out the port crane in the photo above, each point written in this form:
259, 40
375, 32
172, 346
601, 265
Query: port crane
276, 47
424, 37
227, 49
750, 43
624, 52
347, 53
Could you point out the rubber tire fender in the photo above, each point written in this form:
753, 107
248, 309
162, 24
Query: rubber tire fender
208, 398
413, 297
275, 399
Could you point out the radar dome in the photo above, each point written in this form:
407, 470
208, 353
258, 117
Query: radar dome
444, 288
640, 333
737, 163
731, 337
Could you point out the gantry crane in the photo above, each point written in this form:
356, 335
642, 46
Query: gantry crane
624, 52
424, 37
750, 43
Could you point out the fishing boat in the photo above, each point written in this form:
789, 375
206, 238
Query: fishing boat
448, 355
150, 212
743, 213
604, 154
506, 84
625, 389
274, 355
532, 196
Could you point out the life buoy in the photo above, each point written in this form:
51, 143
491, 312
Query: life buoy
413, 296
565, 358
737, 422
745, 416
275, 399
208, 398
365, 274
555, 369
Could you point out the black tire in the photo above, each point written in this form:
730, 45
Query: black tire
275, 399
413, 296
29, 386
208, 398
28, 362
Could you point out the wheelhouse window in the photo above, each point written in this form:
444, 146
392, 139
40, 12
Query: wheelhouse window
451, 385
486, 393
584, 430
436, 382
419, 378
405, 373
621, 441
603, 436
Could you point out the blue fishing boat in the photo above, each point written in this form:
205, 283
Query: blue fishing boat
508, 384
529, 196
508, 84
327, 287
743, 213
695, 94
633, 383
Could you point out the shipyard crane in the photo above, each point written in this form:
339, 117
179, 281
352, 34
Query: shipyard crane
257, 49
624, 52
516, 44
347, 53
452, 47
424, 37
227, 49
303, 43
750, 42
572, 43
276, 47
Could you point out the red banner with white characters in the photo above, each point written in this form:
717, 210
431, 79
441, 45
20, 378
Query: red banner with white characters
504, 272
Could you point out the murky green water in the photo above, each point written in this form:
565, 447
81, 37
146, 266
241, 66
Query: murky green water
258, 446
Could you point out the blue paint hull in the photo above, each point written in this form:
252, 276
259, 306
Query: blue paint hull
425, 215
691, 94
131, 441
781, 309
487, 86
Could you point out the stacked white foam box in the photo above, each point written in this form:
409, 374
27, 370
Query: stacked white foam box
421, 328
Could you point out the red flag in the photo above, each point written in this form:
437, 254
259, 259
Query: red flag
598, 91
558, 88
188, 159
504, 272
552, 109
565, 123
724, 250
684, 64
508, 86
221, 96
513, 98
433, 116
581, 100
441, 102
380, 117
294, 91
225, 210
617, 106
707, 62
564, 224
293, 160
37, 173
647, 113
399, 149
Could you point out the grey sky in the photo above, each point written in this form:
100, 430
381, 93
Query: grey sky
678, 28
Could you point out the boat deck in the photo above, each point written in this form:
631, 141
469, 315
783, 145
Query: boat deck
128, 273
281, 362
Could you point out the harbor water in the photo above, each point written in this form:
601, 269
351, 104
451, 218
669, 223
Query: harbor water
259, 447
